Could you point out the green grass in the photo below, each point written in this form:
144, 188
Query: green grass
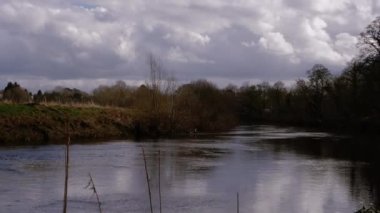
34, 123
8, 109
16, 109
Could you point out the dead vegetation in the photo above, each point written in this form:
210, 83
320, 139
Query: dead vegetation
36, 124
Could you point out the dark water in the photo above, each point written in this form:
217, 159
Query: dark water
274, 169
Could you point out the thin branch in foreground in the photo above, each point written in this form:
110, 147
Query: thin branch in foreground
67, 159
237, 202
159, 179
91, 186
147, 181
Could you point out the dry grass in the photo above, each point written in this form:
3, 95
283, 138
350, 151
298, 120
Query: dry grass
28, 123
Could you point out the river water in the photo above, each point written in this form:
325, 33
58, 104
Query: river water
274, 169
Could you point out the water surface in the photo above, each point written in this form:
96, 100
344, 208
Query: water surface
274, 169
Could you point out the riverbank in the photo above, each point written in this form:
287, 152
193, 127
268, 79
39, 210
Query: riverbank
34, 124
28, 124
368, 127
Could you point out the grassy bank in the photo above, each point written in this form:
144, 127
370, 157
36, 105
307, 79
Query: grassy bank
38, 124
28, 124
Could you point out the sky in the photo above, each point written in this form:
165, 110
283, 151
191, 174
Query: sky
86, 43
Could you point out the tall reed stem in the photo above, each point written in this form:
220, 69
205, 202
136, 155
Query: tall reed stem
91, 184
159, 179
147, 181
237, 202
67, 159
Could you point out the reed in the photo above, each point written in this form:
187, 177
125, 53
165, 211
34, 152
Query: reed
91, 186
159, 179
67, 160
237, 202
147, 180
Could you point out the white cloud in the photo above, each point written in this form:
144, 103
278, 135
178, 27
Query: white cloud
182, 36
81, 37
248, 43
345, 44
330, 6
125, 48
315, 29
323, 51
176, 54
364, 9
102, 39
276, 43
23, 14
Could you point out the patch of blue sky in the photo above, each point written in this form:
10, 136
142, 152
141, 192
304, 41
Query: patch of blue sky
84, 4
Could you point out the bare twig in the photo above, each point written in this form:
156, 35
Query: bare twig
237, 202
67, 159
91, 186
147, 181
159, 179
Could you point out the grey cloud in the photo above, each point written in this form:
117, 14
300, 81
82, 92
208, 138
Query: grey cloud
77, 40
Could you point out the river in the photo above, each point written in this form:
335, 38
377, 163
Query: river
274, 169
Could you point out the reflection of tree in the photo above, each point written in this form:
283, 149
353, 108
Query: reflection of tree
180, 162
362, 176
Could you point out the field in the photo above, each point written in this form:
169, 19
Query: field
39, 123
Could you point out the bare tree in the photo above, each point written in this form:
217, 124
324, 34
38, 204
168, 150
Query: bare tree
156, 80
319, 83
369, 41
171, 87
319, 78
162, 89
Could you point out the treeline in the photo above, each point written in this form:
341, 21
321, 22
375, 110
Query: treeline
347, 101
158, 107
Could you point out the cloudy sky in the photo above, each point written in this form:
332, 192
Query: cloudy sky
84, 43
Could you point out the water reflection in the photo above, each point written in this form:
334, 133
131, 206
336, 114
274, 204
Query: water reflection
275, 169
